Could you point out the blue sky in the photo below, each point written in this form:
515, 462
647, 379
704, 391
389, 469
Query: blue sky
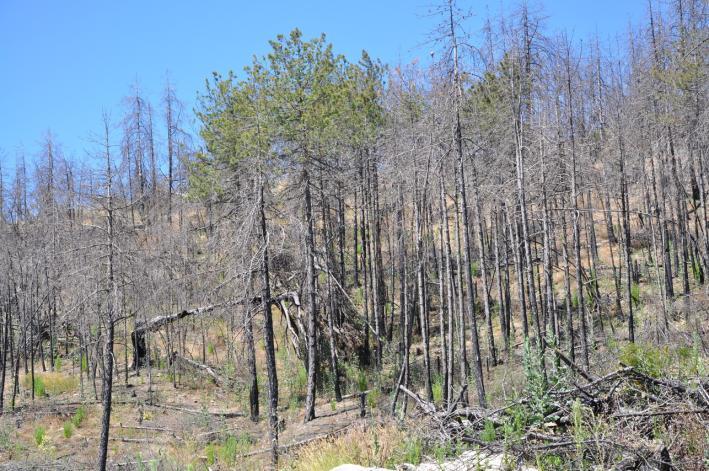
64, 61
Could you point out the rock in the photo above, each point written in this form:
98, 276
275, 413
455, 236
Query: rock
356, 467
468, 460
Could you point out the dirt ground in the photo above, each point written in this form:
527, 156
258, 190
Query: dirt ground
175, 432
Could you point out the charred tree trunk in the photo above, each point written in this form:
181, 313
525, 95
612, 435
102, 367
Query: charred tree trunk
312, 296
268, 335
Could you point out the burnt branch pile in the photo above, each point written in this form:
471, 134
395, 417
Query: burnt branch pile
615, 421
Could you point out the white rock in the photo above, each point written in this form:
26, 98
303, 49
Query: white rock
468, 460
356, 467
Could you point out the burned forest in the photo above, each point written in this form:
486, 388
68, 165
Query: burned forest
493, 258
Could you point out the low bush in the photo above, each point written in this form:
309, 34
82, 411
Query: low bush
635, 294
78, 416
39, 434
229, 451
373, 398
211, 453
234, 446
39, 388
647, 359
68, 429
488, 434
437, 388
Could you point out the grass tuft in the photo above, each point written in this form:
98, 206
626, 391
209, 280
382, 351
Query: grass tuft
383, 446
50, 383
68, 429
78, 416
39, 434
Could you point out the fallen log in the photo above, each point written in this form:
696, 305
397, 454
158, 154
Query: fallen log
133, 440
289, 446
145, 427
137, 337
224, 414
199, 368
586, 375
154, 324
425, 406
157, 322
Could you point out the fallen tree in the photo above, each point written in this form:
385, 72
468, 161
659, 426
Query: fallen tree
156, 323
201, 369
138, 335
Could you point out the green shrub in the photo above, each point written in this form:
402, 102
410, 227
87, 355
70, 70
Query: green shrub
78, 416
68, 429
234, 446
689, 359
437, 388
373, 398
230, 370
551, 462
697, 360
475, 269
580, 431
361, 380
520, 418
211, 453
645, 358
635, 294
139, 462
411, 452
697, 271
297, 380
536, 386
441, 451
593, 281
57, 363
488, 434
5, 440
39, 433
39, 389
228, 451
84, 363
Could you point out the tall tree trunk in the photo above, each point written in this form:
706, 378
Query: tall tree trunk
251, 363
268, 334
333, 308
458, 137
312, 296
492, 352
624, 201
575, 220
422, 304
450, 282
567, 289
111, 302
501, 303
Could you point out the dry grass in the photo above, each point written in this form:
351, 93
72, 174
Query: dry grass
51, 383
368, 445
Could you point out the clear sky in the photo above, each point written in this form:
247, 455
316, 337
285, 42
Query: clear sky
64, 61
